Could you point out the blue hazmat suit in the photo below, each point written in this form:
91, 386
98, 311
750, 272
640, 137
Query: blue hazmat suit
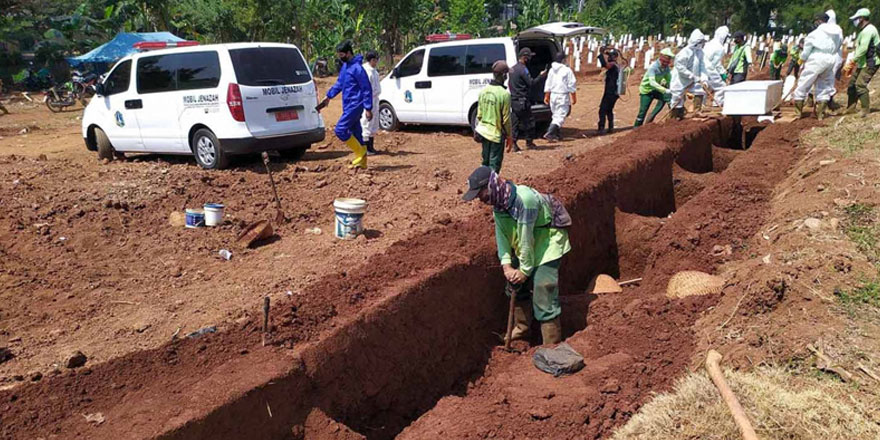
357, 96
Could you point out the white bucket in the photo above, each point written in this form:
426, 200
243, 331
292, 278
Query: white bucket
213, 214
349, 217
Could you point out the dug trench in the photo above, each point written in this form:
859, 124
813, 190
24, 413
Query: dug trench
389, 340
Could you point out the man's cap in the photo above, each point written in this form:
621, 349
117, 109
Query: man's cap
861, 13
478, 180
499, 67
526, 52
823, 17
344, 46
667, 52
371, 55
739, 35
613, 53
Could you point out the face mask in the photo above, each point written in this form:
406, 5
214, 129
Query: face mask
344, 58
856, 22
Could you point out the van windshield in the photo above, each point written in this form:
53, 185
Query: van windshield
269, 66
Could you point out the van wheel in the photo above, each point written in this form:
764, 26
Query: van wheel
105, 148
293, 153
472, 118
387, 118
207, 150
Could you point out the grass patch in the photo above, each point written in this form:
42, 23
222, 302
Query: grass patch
779, 404
851, 135
861, 227
868, 293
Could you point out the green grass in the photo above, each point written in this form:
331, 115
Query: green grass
868, 293
863, 230
851, 135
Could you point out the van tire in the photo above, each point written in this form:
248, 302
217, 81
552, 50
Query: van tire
388, 118
472, 118
105, 148
207, 151
293, 153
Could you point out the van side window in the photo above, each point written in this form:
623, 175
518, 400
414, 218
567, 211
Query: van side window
118, 80
180, 71
412, 65
480, 57
446, 61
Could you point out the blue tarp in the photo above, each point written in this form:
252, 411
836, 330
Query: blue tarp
120, 46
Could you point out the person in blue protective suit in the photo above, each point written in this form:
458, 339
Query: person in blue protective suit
357, 99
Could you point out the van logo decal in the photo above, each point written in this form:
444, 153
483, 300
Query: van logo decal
478, 83
196, 101
281, 90
407, 96
119, 120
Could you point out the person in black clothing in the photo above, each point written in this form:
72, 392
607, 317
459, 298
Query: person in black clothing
520, 83
608, 60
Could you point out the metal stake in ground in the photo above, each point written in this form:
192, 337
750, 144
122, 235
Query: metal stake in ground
265, 319
279, 216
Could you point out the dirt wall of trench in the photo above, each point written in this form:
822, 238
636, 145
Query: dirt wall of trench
400, 334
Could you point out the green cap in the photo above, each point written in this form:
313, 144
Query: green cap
861, 13
668, 52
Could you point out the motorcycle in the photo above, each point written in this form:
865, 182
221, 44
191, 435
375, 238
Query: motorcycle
321, 68
60, 97
84, 86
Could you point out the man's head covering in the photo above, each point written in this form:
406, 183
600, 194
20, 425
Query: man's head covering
371, 55
612, 53
832, 16
526, 52
478, 180
739, 35
667, 52
499, 67
560, 57
861, 13
697, 38
722, 33
344, 46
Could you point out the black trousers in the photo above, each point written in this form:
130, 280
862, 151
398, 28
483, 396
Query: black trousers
793, 67
738, 78
521, 117
606, 110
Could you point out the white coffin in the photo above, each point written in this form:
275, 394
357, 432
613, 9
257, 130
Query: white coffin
752, 97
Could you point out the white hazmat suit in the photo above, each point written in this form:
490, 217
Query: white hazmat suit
820, 51
832, 21
560, 83
713, 55
369, 128
688, 69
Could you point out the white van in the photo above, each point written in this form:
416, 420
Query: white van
209, 101
439, 83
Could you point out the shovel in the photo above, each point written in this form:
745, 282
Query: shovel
279, 216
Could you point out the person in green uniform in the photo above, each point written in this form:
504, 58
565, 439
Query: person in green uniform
532, 236
795, 64
865, 61
777, 59
655, 86
493, 118
740, 59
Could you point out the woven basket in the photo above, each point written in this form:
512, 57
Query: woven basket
691, 282
603, 284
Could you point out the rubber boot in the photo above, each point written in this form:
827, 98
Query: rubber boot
360, 153
799, 109
370, 150
530, 145
865, 102
551, 331
552, 133
820, 110
810, 101
610, 125
833, 107
522, 319
698, 104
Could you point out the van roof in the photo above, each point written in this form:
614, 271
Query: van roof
200, 48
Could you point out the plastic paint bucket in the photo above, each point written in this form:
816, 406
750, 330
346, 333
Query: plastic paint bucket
213, 214
195, 218
349, 217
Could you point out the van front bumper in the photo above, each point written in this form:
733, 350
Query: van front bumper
283, 142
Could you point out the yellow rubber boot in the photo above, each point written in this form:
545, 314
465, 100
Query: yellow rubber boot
360, 153
522, 318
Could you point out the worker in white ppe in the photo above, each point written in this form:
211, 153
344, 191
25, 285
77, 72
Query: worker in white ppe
838, 55
369, 127
716, 72
687, 74
560, 94
818, 56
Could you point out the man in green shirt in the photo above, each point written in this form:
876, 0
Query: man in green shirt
493, 118
655, 86
740, 60
777, 59
865, 61
795, 64
531, 235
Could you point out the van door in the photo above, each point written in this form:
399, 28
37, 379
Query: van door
278, 94
407, 91
159, 113
478, 70
119, 108
445, 85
